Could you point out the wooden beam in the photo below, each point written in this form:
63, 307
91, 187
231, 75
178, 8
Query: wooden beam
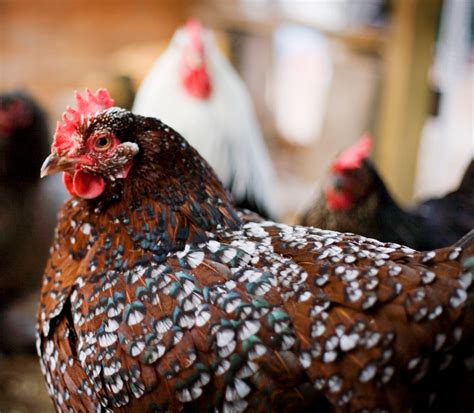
405, 93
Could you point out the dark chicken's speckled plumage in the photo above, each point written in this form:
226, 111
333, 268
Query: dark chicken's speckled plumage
159, 297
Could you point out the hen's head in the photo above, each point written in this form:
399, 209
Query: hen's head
90, 145
108, 153
350, 179
194, 73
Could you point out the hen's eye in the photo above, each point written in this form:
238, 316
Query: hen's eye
102, 143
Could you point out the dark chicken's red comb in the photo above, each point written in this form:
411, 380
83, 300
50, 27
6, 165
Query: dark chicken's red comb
353, 156
86, 108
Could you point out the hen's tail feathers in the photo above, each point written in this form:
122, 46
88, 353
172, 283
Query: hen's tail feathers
468, 263
466, 241
467, 244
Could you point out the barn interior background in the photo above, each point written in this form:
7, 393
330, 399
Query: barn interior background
320, 73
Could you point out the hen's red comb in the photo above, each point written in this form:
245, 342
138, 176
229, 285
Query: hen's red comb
353, 156
73, 118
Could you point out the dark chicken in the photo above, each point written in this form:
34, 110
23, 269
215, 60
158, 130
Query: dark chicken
24, 135
451, 216
159, 296
357, 200
28, 210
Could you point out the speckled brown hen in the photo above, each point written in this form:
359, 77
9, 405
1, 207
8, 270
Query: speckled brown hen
160, 297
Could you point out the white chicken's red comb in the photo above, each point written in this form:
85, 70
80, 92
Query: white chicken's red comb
352, 157
86, 108
193, 26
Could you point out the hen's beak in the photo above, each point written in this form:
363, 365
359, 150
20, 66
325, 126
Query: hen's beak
54, 163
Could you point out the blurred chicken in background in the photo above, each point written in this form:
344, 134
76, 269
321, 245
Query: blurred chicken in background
194, 89
28, 210
357, 200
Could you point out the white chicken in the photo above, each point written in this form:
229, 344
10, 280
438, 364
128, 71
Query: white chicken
194, 89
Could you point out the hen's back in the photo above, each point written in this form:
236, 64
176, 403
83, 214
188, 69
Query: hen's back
266, 318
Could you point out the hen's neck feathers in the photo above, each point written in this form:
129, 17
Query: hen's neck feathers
171, 194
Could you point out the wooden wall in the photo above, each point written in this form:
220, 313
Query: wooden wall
50, 47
